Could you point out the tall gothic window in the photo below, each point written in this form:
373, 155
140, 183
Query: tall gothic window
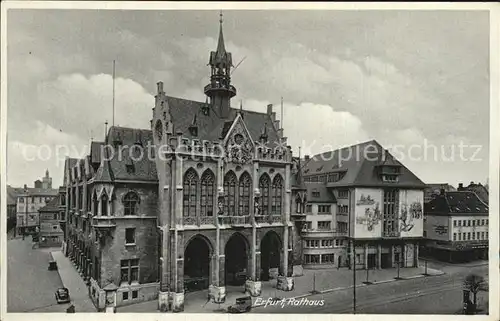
244, 194
189, 200
277, 195
230, 189
264, 186
104, 204
207, 193
130, 202
96, 204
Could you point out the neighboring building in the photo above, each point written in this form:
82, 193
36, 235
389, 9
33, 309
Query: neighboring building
379, 202
51, 233
29, 201
212, 210
433, 190
456, 226
480, 190
324, 234
11, 207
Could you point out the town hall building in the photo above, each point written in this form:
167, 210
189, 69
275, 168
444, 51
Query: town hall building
206, 208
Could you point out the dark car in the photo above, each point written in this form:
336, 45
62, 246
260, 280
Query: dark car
243, 304
62, 295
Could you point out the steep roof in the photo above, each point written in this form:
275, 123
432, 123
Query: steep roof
125, 165
318, 193
456, 203
12, 195
52, 206
434, 189
359, 163
211, 126
480, 190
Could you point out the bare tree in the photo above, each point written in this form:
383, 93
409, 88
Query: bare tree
474, 283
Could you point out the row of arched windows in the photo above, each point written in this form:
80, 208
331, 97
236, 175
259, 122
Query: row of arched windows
237, 194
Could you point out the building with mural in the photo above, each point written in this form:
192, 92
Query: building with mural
379, 204
207, 207
29, 201
456, 226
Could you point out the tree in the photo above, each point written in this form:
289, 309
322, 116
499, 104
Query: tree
474, 283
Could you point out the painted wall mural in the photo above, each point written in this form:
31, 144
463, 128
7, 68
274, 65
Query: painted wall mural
368, 200
368, 212
411, 213
372, 217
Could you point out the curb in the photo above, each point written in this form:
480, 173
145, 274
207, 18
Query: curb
300, 296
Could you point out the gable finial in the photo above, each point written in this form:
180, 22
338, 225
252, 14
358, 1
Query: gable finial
221, 17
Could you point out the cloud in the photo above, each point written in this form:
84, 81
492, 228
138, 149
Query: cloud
315, 128
43, 148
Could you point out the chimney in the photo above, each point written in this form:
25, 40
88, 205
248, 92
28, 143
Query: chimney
306, 157
25, 187
460, 186
269, 109
159, 87
472, 183
441, 192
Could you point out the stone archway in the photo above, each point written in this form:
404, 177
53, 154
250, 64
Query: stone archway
270, 254
197, 269
236, 259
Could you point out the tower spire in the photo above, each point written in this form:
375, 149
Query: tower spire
221, 48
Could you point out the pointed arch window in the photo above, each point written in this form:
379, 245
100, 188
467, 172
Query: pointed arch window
104, 204
189, 198
277, 196
207, 193
245, 184
230, 189
130, 203
264, 186
96, 204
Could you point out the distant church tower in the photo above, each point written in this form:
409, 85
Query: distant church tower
219, 90
47, 181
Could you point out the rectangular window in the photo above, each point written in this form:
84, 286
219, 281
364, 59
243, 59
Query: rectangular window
129, 271
135, 294
459, 236
468, 236
324, 225
130, 236
327, 258
125, 296
342, 227
482, 235
460, 223
454, 236
322, 178
473, 222
343, 193
478, 235
464, 236
308, 208
454, 223
473, 235
486, 220
468, 222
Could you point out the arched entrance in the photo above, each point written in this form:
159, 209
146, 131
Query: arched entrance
236, 260
270, 254
197, 264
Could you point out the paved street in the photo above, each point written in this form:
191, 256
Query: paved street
30, 285
437, 294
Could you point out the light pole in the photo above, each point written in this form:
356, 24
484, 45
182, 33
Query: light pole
354, 276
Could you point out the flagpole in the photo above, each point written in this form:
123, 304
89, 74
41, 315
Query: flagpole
113, 122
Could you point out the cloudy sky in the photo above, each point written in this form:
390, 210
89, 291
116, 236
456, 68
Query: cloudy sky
416, 81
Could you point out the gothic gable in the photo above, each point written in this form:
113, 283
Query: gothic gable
238, 144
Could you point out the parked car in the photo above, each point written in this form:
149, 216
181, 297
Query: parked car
243, 304
62, 295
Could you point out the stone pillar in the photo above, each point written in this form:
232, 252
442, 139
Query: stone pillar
217, 290
379, 256
285, 282
253, 286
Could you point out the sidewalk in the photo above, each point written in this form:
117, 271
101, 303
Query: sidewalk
322, 281
71, 280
